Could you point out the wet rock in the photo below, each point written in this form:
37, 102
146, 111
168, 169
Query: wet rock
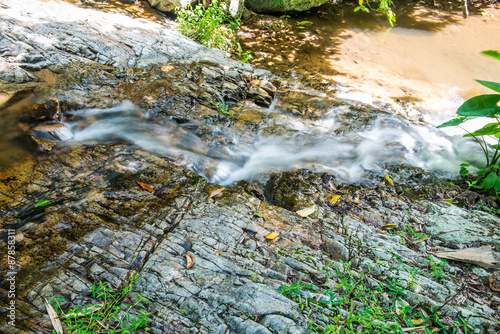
170, 5
40, 112
294, 190
43, 144
260, 96
260, 6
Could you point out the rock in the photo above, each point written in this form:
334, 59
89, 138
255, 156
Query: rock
265, 6
40, 112
169, 6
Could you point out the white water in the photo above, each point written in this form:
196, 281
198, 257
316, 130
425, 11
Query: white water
311, 144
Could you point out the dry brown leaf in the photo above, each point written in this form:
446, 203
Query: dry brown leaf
145, 186
473, 276
493, 282
56, 323
416, 220
189, 260
272, 235
419, 240
409, 329
215, 192
307, 211
481, 256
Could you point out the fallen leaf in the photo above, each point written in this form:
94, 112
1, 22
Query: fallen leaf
54, 319
473, 276
42, 203
272, 235
334, 199
305, 23
389, 180
190, 260
389, 226
145, 186
409, 329
493, 278
307, 211
217, 253
481, 256
417, 322
215, 192
416, 220
415, 242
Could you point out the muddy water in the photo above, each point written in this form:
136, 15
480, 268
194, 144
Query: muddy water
431, 55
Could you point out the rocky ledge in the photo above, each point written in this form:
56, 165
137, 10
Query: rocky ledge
273, 256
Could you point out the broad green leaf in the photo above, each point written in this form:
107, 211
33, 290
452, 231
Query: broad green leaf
482, 105
488, 129
492, 53
454, 122
490, 180
305, 23
490, 84
357, 8
42, 203
300, 27
495, 147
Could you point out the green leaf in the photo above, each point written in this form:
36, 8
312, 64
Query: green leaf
482, 105
490, 180
42, 203
492, 53
454, 122
489, 129
305, 23
491, 85
357, 8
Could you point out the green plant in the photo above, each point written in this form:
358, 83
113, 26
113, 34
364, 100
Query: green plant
483, 106
110, 315
437, 268
223, 108
210, 26
383, 6
247, 56
353, 307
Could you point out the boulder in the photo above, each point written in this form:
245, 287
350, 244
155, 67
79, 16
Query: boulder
274, 6
170, 5
235, 7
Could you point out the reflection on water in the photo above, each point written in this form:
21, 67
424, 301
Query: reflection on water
431, 54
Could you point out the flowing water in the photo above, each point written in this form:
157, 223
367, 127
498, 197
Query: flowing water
431, 56
316, 144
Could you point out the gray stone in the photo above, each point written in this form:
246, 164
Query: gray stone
170, 5
264, 6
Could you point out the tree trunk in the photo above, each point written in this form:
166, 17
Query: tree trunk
465, 10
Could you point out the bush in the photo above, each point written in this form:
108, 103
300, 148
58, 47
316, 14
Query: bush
210, 26
483, 106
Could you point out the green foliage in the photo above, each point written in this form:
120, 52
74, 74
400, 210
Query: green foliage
110, 315
247, 56
383, 6
352, 307
223, 108
210, 26
483, 106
